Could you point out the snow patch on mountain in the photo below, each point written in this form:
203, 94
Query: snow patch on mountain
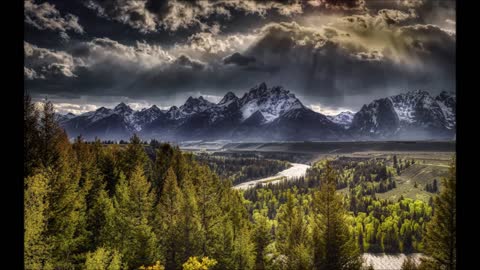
447, 102
194, 105
344, 118
228, 99
270, 102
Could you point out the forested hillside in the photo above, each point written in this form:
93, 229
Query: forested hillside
239, 170
109, 206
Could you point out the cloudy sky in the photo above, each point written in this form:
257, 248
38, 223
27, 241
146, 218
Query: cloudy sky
333, 54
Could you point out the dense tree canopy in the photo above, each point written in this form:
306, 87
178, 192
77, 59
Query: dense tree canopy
94, 205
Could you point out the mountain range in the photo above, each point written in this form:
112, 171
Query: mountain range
272, 114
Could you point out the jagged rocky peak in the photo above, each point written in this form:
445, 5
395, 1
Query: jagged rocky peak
153, 109
279, 114
262, 86
228, 98
194, 105
344, 118
378, 117
444, 95
196, 101
271, 102
103, 109
256, 91
261, 91
123, 108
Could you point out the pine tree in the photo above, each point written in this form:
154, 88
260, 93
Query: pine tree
50, 132
31, 136
334, 248
67, 199
208, 196
101, 221
236, 250
103, 258
109, 165
292, 234
262, 238
133, 204
169, 220
440, 238
37, 247
243, 250
190, 222
134, 156
163, 161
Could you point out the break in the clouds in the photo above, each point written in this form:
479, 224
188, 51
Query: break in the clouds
340, 54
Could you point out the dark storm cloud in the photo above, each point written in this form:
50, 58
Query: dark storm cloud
186, 61
238, 59
42, 63
345, 59
359, 60
303, 59
152, 15
45, 16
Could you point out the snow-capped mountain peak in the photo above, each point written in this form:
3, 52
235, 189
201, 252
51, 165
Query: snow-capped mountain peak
344, 118
412, 106
414, 115
100, 113
123, 108
146, 115
152, 108
195, 105
447, 102
228, 99
271, 102
273, 114
64, 117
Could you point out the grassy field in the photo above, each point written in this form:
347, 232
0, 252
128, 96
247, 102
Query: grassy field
428, 166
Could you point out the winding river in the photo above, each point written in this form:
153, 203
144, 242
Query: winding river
295, 171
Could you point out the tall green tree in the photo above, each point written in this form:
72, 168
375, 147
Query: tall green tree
103, 258
441, 234
292, 233
163, 159
334, 248
237, 248
37, 245
262, 238
67, 219
210, 214
190, 222
243, 250
50, 134
169, 220
133, 203
134, 156
31, 136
